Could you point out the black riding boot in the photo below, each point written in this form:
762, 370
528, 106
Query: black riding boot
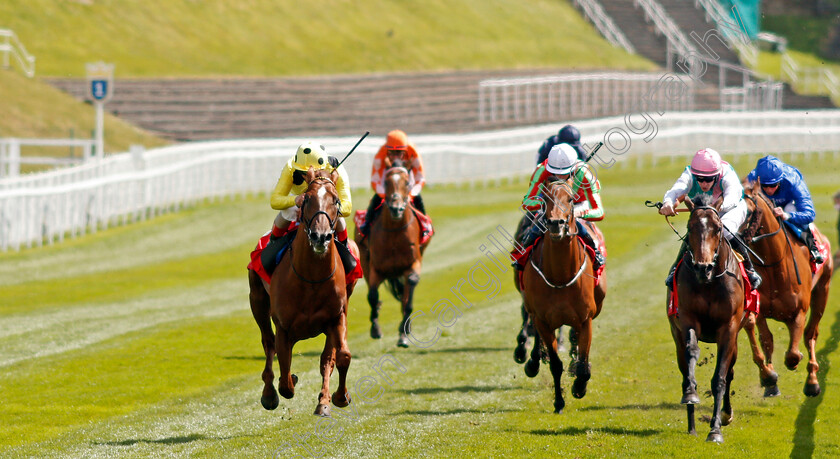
531, 235
808, 236
347, 258
753, 276
372, 211
269, 253
599, 258
417, 202
669, 281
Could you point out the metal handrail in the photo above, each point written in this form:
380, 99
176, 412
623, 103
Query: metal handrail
593, 10
10, 45
666, 26
714, 10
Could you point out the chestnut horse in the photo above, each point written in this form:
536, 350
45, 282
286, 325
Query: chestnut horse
559, 289
393, 253
307, 296
710, 299
788, 291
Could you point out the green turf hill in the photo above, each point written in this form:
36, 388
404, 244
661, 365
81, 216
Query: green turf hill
270, 38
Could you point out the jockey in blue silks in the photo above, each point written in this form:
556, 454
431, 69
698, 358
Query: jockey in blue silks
785, 186
567, 134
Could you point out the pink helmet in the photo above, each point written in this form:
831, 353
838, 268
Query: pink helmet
706, 162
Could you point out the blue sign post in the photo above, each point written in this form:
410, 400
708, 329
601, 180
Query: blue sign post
100, 75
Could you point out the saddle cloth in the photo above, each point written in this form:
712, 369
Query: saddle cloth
751, 297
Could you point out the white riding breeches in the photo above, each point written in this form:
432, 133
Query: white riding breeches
733, 219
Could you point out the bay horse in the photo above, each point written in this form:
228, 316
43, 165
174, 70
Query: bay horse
393, 253
307, 296
788, 291
559, 289
710, 300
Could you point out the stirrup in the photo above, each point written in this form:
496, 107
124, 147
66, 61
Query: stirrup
669, 281
599, 259
817, 257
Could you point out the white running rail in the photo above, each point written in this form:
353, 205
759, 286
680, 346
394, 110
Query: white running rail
10, 45
11, 158
573, 96
595, 13
47, 207
810, 79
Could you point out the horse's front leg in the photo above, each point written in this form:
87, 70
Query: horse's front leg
766, 375
412, 278
374, 281
283, 347
582, 368
795, 328
532, 366
727, 350
327, 364
341, 397
547, 335
692, 354
682, 363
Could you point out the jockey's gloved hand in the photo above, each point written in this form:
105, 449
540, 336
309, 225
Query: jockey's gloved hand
333, 161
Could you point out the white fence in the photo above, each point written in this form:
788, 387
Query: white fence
575, 96
10, 46
810, 79
45, 207
11, 159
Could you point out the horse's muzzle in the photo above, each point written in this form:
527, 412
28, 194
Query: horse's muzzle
396, 211
320, 241
704, 272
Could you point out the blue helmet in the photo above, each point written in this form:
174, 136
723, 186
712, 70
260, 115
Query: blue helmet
769, 170
569, 134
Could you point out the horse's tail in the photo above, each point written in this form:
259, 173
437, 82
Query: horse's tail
396, 287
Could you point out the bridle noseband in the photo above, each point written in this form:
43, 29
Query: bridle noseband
693, 261
307, 223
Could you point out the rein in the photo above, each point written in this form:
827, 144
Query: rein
787, 241
307, 224
693, 262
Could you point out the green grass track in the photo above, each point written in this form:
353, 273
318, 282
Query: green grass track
138, 341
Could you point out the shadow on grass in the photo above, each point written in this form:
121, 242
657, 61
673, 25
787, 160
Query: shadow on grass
803, 437
577, 431
463, 389
670, 406
161, 441
455, 411
459, 350
261, 358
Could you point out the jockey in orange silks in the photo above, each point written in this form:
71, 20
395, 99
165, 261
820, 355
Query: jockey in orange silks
563, 162
396, 147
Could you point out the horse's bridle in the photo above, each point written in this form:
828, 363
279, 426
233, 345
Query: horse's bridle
753, 213
307, 223
693, 261
565, 222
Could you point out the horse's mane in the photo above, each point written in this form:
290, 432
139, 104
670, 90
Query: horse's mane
703, 200
755, 219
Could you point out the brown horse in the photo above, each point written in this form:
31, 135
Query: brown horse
559, 289
393, 253
307, 296
788, 291
710, 298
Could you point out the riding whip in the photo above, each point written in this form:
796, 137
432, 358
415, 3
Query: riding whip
594, 150
353, 149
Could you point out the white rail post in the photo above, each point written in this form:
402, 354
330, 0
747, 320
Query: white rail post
14, 157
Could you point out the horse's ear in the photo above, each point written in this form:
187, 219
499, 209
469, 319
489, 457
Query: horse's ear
334, 175
718, 203
690, 204
310, 175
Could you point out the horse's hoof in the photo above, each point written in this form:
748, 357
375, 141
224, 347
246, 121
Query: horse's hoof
403, 341
270, 403
812, 390
770, 380
715, 437
772, 391
690, 398
375, 331
558, 406
532, 368
578, 392
725, 418
294, 380
341, 400
520, 354
322, 410
792, 360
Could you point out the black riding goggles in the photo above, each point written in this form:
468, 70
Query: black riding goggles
704, 178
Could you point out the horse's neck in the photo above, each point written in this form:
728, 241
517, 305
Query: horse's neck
771, 246
561, 257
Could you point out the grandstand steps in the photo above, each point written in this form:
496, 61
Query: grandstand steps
640, 33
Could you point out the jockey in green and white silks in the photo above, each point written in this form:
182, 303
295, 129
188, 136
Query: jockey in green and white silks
708, 174
562, 162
